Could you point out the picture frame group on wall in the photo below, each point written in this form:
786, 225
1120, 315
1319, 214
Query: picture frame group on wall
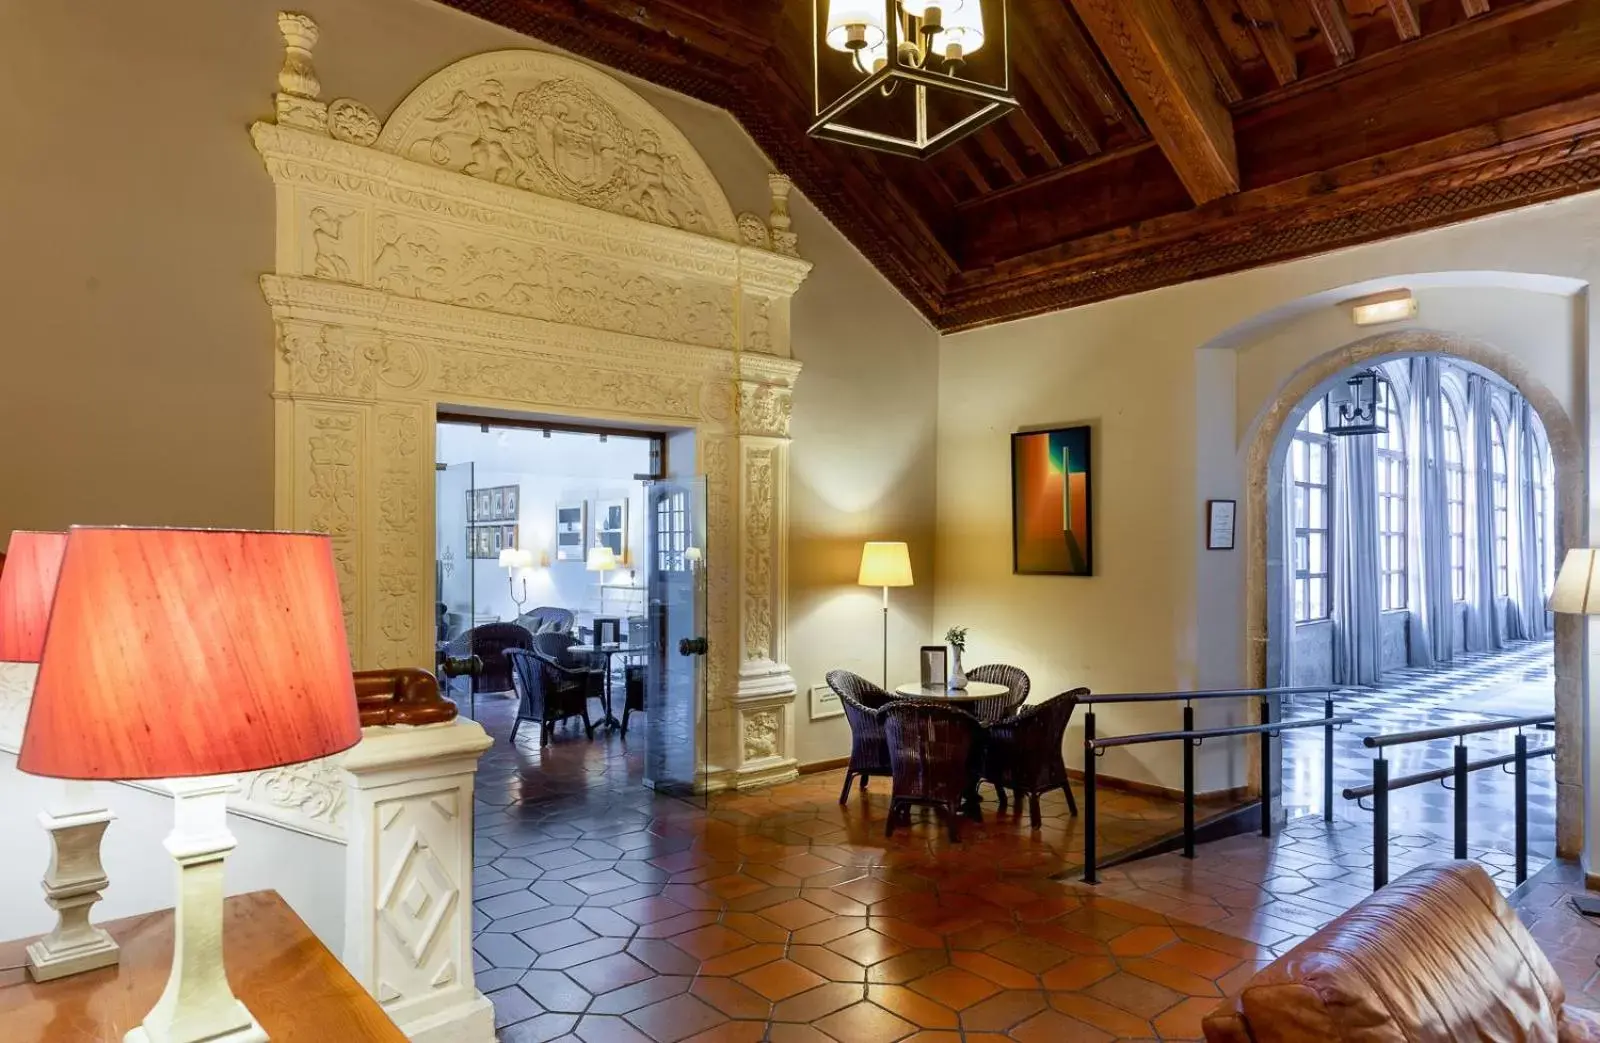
1052, 507
487, 541
492, 516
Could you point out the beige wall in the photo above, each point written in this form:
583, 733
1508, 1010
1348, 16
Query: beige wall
137, 360
1174, 382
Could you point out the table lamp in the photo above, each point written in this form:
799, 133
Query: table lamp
885, 565
601, 559
188, 655
75, 820
512, 559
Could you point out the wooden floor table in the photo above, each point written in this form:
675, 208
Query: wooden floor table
296, 988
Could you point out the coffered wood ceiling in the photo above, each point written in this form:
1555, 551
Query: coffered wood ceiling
1158, 140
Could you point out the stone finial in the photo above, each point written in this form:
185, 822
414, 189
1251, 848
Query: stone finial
298, 76
784, 240
297, 104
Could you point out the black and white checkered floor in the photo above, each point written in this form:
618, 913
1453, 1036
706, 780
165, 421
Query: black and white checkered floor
1517, 682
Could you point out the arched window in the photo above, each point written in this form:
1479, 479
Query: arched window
1390, 448
1542, 488
1455, 478
1310, 467
1502, 502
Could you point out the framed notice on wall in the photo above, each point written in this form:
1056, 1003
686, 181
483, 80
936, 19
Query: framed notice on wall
1219, 524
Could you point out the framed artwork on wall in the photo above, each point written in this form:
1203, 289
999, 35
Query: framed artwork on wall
611, 527
1219, 524
571, 529
825, 703
1051, 508
512, 502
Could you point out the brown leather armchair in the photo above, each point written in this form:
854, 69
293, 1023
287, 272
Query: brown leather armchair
1436, 957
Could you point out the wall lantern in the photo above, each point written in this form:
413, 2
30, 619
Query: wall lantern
908, 76
1389, 306
1361, 407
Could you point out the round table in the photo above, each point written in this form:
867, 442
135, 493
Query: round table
975, 691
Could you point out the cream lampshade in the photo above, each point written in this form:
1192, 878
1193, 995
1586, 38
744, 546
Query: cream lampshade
1577, 589
601, 559
885, 564
855, 24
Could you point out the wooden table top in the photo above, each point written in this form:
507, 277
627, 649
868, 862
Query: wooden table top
296, 988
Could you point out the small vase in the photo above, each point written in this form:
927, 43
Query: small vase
958, 676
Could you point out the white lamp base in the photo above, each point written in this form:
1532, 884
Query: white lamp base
72, 886
198, 1006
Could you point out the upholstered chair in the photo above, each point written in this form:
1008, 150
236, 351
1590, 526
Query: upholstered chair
988, 711
548, 693
869, 747
1023, 752
489, 643
931, 750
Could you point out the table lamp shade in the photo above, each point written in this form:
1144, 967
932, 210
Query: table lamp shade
175, 652
27, 587
1577, 588
601, 559
885, 565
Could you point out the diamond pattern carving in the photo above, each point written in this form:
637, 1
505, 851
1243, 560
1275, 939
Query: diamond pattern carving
417, 900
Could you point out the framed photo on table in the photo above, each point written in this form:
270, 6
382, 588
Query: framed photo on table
935, 661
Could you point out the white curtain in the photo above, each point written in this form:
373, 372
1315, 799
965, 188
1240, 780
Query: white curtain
1527, 571
1483, 616
1431, 629
1357, 644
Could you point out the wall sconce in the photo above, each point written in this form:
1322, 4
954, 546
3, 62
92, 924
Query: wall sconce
1389, 306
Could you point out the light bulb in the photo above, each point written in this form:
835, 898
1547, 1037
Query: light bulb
870, 59
854, 25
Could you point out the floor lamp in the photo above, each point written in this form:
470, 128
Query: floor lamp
885, 565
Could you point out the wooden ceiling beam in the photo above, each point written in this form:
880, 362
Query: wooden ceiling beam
1086, 67
1031, 133
1213, 51
964, 162
1407, 22
1275, 44
1330, 18
1054, 93
1474, 8
1146, 43
989, 141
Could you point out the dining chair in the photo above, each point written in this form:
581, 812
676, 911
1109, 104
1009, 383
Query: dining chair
869, 746
988, 711
1024, 753
931, 758
548, 693
489, 642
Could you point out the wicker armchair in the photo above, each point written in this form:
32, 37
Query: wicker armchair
989, 711
869, 746
931, 751
549, 693
546, 620
1023, 752
489, 643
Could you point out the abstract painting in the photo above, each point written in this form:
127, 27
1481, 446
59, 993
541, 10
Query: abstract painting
1050, 505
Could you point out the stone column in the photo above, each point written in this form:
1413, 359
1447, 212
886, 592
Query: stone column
408, 879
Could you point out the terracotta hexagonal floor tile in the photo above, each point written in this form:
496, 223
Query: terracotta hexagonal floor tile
1133, 994
1142, 940
732, 1032
1078, 974
603, 1028
732, 998
1003, 1010
819, 1002
738, 961
649, 910
609, 972
677, 1018
1054, 1027
955, 988
828, 964
780, 979
753, 927
908, 966
1100, 1014
825, 931
914, 1007
868, 947
1183, 981
1182, 1021
865, 1023
711, 940
1002, 974
1030, 954
795, 914
779, 1032
1197, 958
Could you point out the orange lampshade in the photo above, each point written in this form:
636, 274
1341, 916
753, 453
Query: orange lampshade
26, 588
177, 652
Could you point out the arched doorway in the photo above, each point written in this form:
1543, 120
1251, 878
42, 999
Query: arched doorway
1270, 564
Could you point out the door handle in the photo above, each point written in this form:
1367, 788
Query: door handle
693, 646
464, 666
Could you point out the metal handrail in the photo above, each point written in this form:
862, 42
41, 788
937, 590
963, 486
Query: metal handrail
1212, 733
1373, 742
1421, 777
1216, 693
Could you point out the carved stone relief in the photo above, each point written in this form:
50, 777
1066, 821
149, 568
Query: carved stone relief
764, 410
351, 121
761, 735
758, 585
417, 845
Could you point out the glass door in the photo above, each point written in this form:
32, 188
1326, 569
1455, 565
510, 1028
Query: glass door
455, 569
675, 595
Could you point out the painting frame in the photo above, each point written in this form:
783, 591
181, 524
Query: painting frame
1036, 485
1221, 516
572, 530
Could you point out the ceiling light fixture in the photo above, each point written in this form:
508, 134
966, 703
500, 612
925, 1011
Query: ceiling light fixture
1389, 306
907, 74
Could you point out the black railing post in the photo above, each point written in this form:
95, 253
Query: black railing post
1327, 761
1521, 802
1380, 822
1266, 769
1088, 799
1461, 800
1188, 782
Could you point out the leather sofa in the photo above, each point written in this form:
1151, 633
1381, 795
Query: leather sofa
1436, 957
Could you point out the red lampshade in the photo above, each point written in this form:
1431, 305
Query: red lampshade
175, 652
26, 588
